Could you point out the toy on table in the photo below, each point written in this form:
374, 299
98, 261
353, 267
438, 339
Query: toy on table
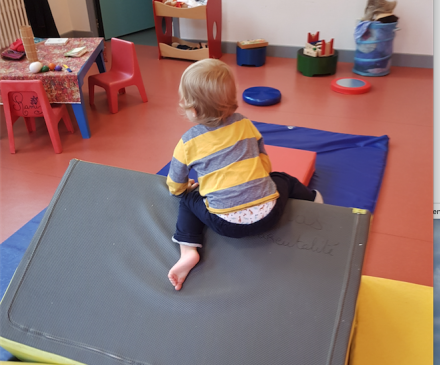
39, 40
76, 52
17, 46
10, 54
56, 41
251, 52
317, 57
15, 51
27, 38
35, 67
67, 68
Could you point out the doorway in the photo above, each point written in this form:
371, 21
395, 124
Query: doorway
115, 19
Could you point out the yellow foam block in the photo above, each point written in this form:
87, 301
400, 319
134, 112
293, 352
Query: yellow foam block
33, 355
394, 324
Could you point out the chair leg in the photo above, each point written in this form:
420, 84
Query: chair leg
141, 88
91, 91
54, 136
67, 121
112, 97
9, 127
30, 124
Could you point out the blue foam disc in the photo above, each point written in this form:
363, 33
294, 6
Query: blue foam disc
261, 96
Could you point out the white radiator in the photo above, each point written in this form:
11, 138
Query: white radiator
12, 16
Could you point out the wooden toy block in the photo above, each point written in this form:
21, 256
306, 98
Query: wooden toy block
327, 48
297, 163
254, 43
319, 49
313, 37
27, 36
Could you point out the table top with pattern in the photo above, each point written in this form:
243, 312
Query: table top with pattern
61, 86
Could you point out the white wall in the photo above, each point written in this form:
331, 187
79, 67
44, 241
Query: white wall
287, 22
70, 15
61, 15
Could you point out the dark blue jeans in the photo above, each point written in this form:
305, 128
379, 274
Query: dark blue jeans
193, 215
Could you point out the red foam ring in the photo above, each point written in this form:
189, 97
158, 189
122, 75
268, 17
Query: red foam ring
350, 90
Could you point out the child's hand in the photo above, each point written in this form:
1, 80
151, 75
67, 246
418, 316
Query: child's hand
192, 185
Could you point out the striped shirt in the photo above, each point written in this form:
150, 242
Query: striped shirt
231, 164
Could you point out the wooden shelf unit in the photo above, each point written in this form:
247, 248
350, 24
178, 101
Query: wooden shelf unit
212, 13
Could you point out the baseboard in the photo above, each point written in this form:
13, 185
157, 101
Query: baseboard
398, 59
77, 34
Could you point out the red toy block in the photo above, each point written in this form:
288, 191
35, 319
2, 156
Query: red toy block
313, 37
297, 163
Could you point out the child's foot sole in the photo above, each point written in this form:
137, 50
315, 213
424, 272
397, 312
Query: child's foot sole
181, 269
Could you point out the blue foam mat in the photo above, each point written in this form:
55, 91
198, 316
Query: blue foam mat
348, 172
348, 169
11, 252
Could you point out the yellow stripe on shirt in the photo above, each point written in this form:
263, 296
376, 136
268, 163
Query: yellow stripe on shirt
176, 188
208, 143
266, 162
179, 152
234, 174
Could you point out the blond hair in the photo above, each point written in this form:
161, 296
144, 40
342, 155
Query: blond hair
208, 86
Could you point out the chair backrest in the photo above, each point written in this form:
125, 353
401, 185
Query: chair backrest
124, 57
25, 98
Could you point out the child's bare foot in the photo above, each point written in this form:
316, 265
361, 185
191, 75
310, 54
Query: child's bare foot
189, 257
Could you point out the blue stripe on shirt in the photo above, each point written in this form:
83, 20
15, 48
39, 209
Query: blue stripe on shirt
242, 150
178, 171
200, 129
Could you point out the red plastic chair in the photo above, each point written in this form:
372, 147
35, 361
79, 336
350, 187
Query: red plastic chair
124, 72
28, 99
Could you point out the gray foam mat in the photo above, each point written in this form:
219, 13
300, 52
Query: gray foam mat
93, 284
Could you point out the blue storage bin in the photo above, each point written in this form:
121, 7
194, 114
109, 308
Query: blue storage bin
251, 56
374, 50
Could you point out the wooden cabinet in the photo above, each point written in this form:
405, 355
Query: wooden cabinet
212, 13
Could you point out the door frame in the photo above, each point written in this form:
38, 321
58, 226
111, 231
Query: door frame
94, 8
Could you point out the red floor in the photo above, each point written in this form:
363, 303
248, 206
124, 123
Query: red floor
142, 137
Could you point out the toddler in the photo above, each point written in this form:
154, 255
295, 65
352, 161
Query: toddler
238, 194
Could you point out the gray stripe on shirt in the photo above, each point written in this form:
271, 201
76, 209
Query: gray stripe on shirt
242, 150
261, 146
200, 129
178, 171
